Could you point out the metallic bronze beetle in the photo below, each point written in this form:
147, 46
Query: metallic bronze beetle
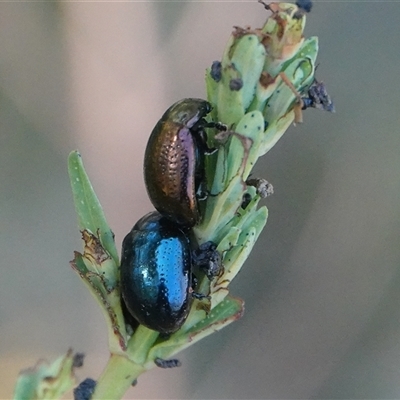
174, 160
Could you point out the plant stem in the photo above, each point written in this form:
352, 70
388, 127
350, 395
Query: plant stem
140, 344
122, 371
116, 378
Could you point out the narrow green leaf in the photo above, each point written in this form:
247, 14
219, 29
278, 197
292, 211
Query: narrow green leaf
47, 381
109, 301
228, 311
248, 57
87, 205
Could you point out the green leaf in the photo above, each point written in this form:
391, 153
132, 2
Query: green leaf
108, 299
228, 311
47, 381
87, 205
235, 159
248, 57
300, 72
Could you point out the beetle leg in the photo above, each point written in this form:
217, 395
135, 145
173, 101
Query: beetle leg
203, 137
202, 193
200, 296
210, 150
193, 293
219, 126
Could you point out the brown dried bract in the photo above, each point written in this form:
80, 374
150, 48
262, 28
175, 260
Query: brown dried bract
93, 249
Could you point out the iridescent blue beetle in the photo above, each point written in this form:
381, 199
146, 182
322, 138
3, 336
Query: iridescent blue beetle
156, 272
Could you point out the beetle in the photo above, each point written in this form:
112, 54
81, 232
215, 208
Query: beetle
156, 273
174, 160
156, 269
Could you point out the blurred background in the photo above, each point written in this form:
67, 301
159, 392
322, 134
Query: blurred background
322, 286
